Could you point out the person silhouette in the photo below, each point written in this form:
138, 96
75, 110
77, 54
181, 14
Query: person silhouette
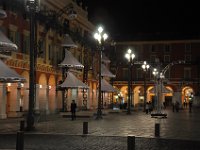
73, 110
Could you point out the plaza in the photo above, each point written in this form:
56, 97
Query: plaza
177, 131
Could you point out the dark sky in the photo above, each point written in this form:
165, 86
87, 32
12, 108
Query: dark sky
135, 17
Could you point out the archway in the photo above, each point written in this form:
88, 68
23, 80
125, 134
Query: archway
41, 94
187, 95
51, 91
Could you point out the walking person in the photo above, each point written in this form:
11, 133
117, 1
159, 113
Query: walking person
147, 108
73, 110
190, 106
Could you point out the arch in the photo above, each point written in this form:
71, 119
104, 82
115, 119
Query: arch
124, 92
25, 74
24, 92
52, 80
186, 93
42, 79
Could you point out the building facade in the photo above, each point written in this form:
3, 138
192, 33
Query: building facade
52, 22
177, 59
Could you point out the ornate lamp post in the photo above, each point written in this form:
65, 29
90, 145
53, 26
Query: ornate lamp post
130, 56
155, 73
32, 6
145, 68
100, 37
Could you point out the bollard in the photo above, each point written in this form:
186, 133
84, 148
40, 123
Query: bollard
131, 142
22, 125
20, 140
157, 130
85, 127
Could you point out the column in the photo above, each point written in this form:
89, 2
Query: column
3, 114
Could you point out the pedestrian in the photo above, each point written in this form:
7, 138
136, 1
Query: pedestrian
190, 106
173, 106
147, 108
177, 106
73, 110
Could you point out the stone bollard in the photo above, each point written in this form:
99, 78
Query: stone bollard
131, 143
22, 125
85, 127
157, 130
20, 140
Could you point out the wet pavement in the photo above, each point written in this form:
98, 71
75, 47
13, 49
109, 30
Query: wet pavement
178, 131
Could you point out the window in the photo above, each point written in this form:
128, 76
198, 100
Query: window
152, 58
26, 44
139, 73
41, 48
187, 73
188, 58
125, 74
166, 58
167, 48
14, 36
50, 52
152, 49
167, 74
187, 47
18, 40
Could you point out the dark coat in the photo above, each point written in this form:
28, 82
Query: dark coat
73, 107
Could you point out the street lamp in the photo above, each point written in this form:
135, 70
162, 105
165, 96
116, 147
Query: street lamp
100, 37
155, 73
130, 56
32, 6
145, 68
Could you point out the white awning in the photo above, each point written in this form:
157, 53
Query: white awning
105, 72
67, 42
9, 75
2, 14
70, 61
72, 82
6, 44
107, 87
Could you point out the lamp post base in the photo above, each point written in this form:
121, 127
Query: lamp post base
99, 115
30, 122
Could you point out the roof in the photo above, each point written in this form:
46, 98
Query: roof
70, 61
106, 72
6, 44
107, 87
9, 75
105, 59
2, 14
72, 82
67, 42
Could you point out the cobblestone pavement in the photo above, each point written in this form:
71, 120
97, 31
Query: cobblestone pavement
178, 131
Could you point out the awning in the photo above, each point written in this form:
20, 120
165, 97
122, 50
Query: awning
67, 42
107, 87
9, 75
72, 82
70, 61
105, 59
105, 72
6, 44
2, 14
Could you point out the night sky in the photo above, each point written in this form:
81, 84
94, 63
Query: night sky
136, 17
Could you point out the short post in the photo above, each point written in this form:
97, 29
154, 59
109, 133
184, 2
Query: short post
157, 130
85, 127
131, 142
22, 125
20, 140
